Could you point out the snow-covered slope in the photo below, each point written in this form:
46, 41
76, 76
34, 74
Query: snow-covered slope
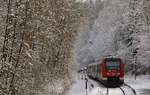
141, 85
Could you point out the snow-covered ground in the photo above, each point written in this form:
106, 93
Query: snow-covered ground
141, 85
79, 87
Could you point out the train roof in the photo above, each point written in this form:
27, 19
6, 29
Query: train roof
112, 58
105, 58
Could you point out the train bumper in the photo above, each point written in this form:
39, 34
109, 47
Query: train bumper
112, 81
104, 79
121, 78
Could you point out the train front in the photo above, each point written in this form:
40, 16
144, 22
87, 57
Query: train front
113, 71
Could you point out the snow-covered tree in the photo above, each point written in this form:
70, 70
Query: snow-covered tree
37, 43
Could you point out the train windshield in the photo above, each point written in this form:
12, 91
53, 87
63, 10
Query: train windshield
112, 65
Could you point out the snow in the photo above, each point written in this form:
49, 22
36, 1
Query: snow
141, 85
78, 87
83, 1
109, 33
98, 34
96, 91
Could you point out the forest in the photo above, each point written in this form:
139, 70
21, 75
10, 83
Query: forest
44, 42
36, 45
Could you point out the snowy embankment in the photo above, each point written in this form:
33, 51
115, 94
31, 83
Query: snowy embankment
79, 87
141, 85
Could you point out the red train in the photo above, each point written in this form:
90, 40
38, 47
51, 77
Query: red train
109, 71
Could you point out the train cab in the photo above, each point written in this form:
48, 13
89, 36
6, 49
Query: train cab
109, 71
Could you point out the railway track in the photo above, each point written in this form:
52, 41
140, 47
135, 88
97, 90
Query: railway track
133, 90
122, 88
107, 91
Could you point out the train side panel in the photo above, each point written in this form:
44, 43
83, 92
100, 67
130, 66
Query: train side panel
99, 73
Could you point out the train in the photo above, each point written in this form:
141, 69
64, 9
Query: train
109, 71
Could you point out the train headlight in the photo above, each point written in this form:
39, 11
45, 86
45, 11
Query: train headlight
118, 73
108, 73
104, 78
121, 78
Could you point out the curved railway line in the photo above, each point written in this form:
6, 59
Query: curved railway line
107, 91
130, 88
122, 89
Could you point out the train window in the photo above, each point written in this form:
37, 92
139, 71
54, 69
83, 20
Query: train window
112, 65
